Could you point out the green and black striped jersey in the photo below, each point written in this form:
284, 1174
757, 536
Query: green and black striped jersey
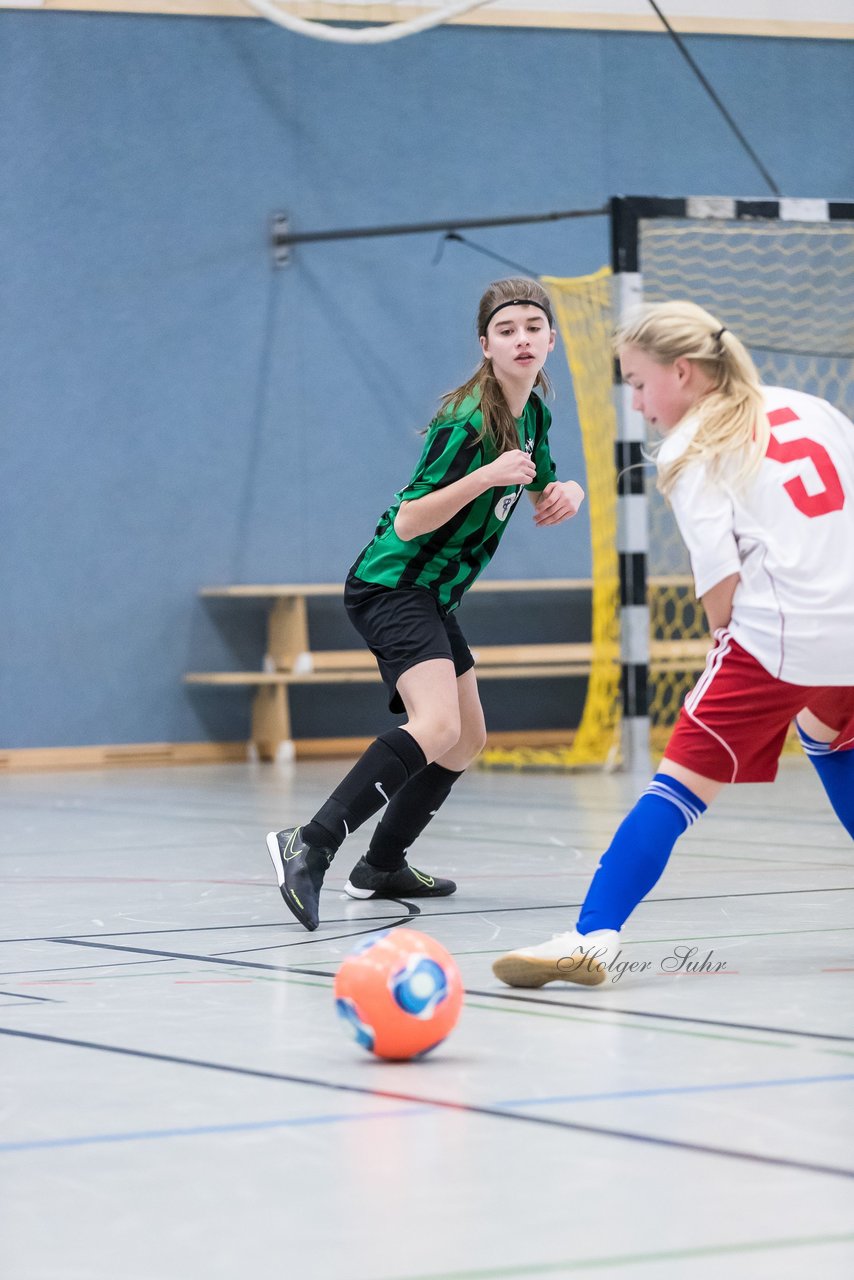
447, 560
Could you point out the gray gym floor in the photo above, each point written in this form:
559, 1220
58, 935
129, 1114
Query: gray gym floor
179, 1100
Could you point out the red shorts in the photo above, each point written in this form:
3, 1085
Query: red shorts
734, 721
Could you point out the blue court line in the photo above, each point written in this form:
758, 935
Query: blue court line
148, 1135
671, 1092
441, 1105
196, 1131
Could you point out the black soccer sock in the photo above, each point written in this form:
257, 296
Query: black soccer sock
408, 814
387, 765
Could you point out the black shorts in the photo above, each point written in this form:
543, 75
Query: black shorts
402, 627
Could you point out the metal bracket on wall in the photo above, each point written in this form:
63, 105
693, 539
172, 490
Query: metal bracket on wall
279, 231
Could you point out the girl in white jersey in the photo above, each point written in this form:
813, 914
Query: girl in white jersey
761, 480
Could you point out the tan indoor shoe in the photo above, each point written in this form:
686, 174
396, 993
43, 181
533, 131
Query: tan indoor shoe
567, 957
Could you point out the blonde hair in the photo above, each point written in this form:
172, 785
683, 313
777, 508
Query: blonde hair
731, 414
499, 425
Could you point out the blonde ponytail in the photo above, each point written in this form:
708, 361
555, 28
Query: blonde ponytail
732, 419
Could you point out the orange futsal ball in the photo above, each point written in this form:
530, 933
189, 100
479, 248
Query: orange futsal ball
400, 993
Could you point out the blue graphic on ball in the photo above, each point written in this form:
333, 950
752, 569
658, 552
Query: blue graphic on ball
362, 1033
419, 987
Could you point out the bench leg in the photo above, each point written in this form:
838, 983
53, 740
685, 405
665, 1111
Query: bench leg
287, 634
271, 724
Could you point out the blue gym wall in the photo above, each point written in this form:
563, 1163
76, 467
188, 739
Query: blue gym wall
176, 413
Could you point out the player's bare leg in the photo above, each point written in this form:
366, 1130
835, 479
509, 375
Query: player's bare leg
384, 872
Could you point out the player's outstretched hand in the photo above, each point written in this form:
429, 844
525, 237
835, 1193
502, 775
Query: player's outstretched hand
559, 501
512, 467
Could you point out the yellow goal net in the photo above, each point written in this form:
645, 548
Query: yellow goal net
584, 314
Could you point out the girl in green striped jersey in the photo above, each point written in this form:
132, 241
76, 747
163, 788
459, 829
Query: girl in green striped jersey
488, 442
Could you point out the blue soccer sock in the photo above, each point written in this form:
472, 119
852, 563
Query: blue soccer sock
638, 854
836, 770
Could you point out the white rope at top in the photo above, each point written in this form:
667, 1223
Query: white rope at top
362, 35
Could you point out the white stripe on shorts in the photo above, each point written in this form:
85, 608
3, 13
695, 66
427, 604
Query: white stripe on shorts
722, 646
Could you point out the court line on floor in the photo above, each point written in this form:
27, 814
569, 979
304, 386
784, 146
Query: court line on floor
197, 1131
493, 995
440, 1104
289, 971
599, 1009
565, 1016
523, 1269
594, 851
15, 995
224, 960
697, 897
665, 1017
75, 968
610, 813
396, 921
438, 915
165, 956
202, 928
91, 879
205, 811
548, 843
87, 939
250, 1126
24, 1002
672, 1091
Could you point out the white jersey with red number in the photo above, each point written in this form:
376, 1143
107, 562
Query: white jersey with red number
789, 533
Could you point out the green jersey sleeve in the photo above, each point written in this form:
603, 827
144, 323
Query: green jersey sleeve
448, 559
451, 450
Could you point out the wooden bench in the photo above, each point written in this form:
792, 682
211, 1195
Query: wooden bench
290, 660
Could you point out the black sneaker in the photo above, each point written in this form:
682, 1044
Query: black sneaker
300, 869
407, 882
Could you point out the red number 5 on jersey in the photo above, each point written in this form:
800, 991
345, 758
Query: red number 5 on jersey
831, 497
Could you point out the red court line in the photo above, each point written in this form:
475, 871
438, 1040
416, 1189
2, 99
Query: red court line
255, 884
55, 982
706, 973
